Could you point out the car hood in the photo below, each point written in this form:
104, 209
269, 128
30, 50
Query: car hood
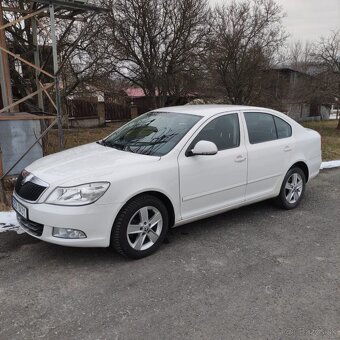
90, 162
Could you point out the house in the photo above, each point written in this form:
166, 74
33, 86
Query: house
297, 94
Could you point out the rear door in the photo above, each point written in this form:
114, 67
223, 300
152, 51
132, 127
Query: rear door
210, 183
270, 145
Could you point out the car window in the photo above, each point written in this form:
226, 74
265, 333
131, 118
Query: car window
284, 130
224, 131
154, 133
261, 127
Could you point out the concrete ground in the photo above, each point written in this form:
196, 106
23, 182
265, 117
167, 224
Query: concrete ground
253, 273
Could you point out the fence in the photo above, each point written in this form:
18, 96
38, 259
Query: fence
89, 107
81, 108
114, 111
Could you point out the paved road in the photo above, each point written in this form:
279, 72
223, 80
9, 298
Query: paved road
253, 273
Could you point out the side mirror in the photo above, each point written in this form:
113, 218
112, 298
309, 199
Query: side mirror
204, 147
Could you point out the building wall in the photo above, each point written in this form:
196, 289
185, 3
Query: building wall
302, 112
16, 136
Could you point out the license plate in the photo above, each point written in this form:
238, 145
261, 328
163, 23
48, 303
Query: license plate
19, 208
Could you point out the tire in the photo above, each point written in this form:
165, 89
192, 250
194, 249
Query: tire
140, 227
292, 189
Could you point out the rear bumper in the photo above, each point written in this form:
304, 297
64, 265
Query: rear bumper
95, 220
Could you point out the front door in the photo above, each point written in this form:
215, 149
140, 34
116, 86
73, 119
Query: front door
209, 183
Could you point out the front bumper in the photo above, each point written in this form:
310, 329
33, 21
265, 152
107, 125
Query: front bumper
95, 220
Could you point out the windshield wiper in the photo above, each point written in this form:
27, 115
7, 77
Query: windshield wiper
146, 143
115, 145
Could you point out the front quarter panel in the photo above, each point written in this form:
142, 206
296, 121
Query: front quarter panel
161, 176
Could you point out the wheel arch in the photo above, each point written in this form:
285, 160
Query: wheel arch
162, 197
303, 166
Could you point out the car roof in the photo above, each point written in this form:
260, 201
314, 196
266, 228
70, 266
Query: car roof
207, 109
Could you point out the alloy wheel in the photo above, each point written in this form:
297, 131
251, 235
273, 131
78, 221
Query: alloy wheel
293, 188
144, 228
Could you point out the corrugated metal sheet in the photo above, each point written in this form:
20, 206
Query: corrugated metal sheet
16, 136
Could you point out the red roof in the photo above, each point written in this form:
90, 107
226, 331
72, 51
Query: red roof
134, 92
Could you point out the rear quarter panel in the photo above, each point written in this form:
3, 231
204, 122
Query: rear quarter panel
308, 149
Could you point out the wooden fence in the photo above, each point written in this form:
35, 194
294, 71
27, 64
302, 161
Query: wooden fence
114, 111
89, 108
82, 108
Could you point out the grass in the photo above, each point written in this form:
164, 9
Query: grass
4, 207
75, 137
330, 138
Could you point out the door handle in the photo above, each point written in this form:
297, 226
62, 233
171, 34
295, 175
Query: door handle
240, 159
287, 148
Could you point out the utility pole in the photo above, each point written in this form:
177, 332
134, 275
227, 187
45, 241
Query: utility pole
5, 78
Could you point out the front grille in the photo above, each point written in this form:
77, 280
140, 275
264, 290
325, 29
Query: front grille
32, 227
29, 191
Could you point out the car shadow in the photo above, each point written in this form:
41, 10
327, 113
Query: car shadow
84, 256
226, 220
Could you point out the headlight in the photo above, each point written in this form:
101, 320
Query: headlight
79, 195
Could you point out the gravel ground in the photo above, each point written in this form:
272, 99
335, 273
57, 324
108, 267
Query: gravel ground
253, 273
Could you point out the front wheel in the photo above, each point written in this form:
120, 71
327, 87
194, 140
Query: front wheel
292, 189
140, 227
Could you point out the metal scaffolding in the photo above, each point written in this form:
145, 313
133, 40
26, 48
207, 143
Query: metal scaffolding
39, 9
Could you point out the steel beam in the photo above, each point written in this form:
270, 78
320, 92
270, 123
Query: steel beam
37, 62
25, 98
3, 26
5, 78
56, 77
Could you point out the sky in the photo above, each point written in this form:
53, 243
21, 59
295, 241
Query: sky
307, 20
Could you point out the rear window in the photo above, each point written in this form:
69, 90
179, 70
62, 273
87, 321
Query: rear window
261, 127
264, 127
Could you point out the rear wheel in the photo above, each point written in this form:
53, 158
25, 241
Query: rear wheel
140, 227
292, 189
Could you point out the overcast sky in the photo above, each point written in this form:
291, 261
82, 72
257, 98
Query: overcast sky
308, 19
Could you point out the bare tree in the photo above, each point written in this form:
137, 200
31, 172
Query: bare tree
329, 52
155, 44
328, 56
301, 55
245, 37
78, 50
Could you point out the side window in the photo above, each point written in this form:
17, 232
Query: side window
261, 127
284, 130
224, 131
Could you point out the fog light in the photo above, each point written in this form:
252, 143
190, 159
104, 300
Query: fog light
68, 233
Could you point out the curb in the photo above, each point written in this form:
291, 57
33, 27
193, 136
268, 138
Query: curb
330, 164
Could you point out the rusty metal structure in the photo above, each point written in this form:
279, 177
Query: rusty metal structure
37, 9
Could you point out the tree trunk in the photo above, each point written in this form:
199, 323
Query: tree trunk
338, 127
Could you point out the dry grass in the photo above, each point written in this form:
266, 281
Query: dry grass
75, 137
4, 207
330, 137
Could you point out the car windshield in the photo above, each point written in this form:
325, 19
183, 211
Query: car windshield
154, 133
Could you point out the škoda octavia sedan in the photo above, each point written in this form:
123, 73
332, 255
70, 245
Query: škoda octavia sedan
165, 168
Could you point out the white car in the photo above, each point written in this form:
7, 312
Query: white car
168, 167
